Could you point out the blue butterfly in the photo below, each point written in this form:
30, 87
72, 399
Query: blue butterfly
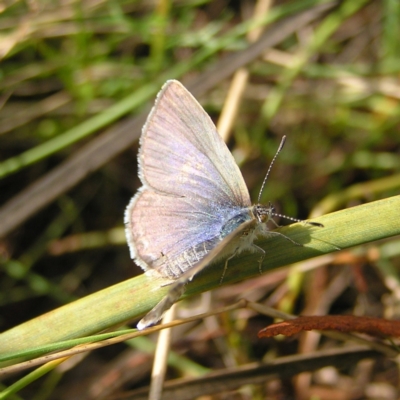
194, 206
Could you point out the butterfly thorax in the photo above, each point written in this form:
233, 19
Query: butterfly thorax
241, 216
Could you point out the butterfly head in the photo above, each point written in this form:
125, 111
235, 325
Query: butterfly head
263, 213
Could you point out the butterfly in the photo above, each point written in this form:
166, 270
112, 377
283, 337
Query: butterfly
194, 206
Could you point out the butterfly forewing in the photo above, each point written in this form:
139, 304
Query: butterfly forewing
182, 154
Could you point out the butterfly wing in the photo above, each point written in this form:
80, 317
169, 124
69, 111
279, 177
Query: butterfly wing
178, 287
191, 186
183, 155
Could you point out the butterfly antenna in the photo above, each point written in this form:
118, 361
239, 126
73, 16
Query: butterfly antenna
270, 167
274, 214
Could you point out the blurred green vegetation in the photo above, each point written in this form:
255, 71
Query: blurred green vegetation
70, 70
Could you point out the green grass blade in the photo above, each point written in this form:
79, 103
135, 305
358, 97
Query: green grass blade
132, 298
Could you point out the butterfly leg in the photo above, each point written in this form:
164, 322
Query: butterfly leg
226, 265
260, 261
286, 237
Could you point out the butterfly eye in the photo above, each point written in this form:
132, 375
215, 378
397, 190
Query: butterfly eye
264, 213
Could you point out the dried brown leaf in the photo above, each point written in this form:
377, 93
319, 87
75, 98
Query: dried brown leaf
378, 327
